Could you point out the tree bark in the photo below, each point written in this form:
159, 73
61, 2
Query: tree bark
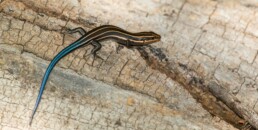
201, 75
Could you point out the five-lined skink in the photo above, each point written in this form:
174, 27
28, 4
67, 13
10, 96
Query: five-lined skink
93, 37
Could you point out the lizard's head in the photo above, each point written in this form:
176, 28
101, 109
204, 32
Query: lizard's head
145, 38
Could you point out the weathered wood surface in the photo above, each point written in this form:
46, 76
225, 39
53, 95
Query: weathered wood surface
202, 75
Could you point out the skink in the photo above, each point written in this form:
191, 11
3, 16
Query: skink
93, 37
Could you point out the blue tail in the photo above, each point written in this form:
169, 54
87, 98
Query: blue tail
52, 64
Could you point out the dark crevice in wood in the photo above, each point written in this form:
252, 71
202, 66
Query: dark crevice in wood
196, 86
